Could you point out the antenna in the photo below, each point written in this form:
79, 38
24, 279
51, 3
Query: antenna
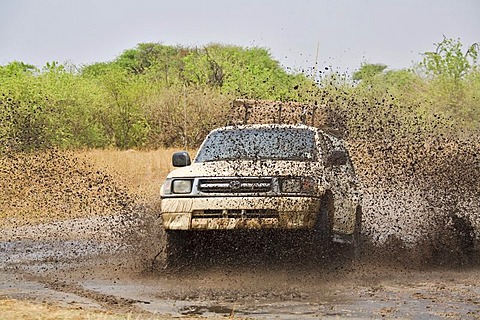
315, 67
185, 142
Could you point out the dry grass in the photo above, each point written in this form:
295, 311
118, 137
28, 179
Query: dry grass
19, 309
52, 186
142, 172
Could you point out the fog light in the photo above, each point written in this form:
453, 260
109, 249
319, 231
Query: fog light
298, 185
291, 185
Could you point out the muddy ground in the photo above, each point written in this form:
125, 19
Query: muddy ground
420, 258
90, 263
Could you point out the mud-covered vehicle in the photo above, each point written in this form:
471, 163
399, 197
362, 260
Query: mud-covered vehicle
264, 176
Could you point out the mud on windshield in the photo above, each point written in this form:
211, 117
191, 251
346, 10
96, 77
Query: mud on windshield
258, 144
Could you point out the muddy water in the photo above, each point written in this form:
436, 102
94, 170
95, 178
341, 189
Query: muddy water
98, 273
420, 259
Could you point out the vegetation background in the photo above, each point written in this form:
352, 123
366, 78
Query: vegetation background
155, 96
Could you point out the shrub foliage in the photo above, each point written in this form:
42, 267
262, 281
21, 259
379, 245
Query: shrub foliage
155, 95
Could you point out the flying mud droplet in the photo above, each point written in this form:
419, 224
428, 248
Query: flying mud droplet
421, 185
421, 194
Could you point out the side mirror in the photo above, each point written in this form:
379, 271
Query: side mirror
337, 158
181, 159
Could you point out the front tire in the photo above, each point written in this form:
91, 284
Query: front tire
356, 245
324, 222
176, 243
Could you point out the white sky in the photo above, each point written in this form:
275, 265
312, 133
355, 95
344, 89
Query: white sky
348, 32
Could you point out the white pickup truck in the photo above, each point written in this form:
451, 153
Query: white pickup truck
264, 176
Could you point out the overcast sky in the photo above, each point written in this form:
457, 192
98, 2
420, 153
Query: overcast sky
346, 32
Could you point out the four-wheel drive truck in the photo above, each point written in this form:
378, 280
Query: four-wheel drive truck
264, 176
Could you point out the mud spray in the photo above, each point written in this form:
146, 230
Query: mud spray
421, 205
421, 199
76, 229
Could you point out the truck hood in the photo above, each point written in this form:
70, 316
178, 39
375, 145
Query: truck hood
248, 168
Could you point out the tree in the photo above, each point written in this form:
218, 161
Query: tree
368, 70
16, 67
125, 95
451, 73
160, 62
449, 61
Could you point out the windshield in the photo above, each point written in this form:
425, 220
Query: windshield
259, 143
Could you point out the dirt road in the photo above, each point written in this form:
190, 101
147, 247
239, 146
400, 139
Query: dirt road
421, 256
84, 263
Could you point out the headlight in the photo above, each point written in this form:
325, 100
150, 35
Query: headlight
182, 186
297, 185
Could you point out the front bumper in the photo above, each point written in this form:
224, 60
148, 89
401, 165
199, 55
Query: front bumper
222, 213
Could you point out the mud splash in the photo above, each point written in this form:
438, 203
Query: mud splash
421, 198
421, 203
52, 185
108, 255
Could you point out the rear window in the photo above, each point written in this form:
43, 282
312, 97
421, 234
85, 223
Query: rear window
259, 143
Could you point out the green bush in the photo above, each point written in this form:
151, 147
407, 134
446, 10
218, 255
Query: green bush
155, 95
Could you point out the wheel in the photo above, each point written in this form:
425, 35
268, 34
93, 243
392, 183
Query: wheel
176, 244
323, 224
356, 245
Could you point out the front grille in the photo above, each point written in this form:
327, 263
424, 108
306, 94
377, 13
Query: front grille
235, 185
236, 213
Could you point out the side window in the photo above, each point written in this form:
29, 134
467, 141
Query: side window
336, 146
324, 145
340, 147
327, 144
